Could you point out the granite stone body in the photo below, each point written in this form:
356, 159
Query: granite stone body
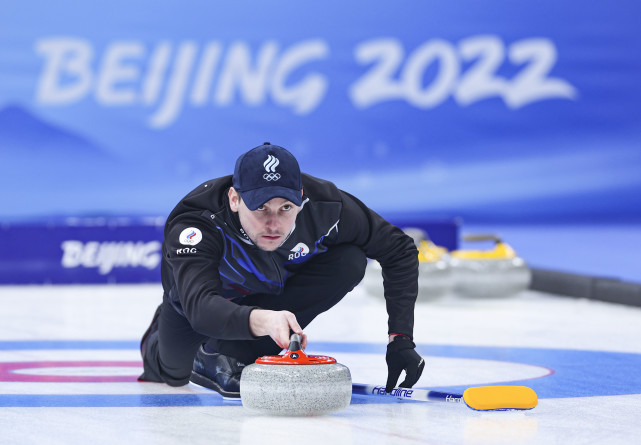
296, 390
434, 279
490, 277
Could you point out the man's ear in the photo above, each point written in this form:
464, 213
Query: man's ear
234, 199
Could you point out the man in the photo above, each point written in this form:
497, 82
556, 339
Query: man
250, 258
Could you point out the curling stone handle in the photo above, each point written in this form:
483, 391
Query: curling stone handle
295, 343
494, 238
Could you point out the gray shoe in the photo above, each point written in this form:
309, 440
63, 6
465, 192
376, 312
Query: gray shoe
217, 372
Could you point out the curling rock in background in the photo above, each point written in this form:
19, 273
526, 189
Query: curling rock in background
497, 272
434, 274
295, 384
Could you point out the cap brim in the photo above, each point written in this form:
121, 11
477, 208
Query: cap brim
257, 197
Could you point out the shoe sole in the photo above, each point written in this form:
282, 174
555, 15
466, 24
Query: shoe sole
203, 381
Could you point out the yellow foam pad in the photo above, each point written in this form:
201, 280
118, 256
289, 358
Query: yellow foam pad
485, 398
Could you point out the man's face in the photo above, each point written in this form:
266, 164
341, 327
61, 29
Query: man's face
269, 225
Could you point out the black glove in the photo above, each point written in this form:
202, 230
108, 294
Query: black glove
402, 356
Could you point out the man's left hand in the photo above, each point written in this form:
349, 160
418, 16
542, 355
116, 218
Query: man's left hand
401, 356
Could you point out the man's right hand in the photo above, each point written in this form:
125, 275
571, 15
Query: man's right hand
276, 324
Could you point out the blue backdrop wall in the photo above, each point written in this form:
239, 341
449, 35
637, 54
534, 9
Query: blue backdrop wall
491, 111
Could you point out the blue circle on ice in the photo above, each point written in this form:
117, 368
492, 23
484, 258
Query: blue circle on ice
573, 373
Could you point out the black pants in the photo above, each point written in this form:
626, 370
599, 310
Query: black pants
318, 285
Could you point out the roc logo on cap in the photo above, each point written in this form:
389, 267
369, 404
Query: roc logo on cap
190, 236
270, 167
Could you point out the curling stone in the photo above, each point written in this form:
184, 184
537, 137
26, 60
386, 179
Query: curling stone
295, 384
434, 274
493, 273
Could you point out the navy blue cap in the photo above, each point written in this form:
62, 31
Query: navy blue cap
266, 172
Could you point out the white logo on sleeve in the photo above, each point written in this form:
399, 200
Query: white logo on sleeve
299, 250
190, 236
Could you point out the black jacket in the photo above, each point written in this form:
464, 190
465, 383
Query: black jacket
205, 281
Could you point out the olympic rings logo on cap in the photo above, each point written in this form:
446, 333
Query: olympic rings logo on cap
271, 176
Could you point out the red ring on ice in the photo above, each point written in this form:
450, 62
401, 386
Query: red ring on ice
9, 371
